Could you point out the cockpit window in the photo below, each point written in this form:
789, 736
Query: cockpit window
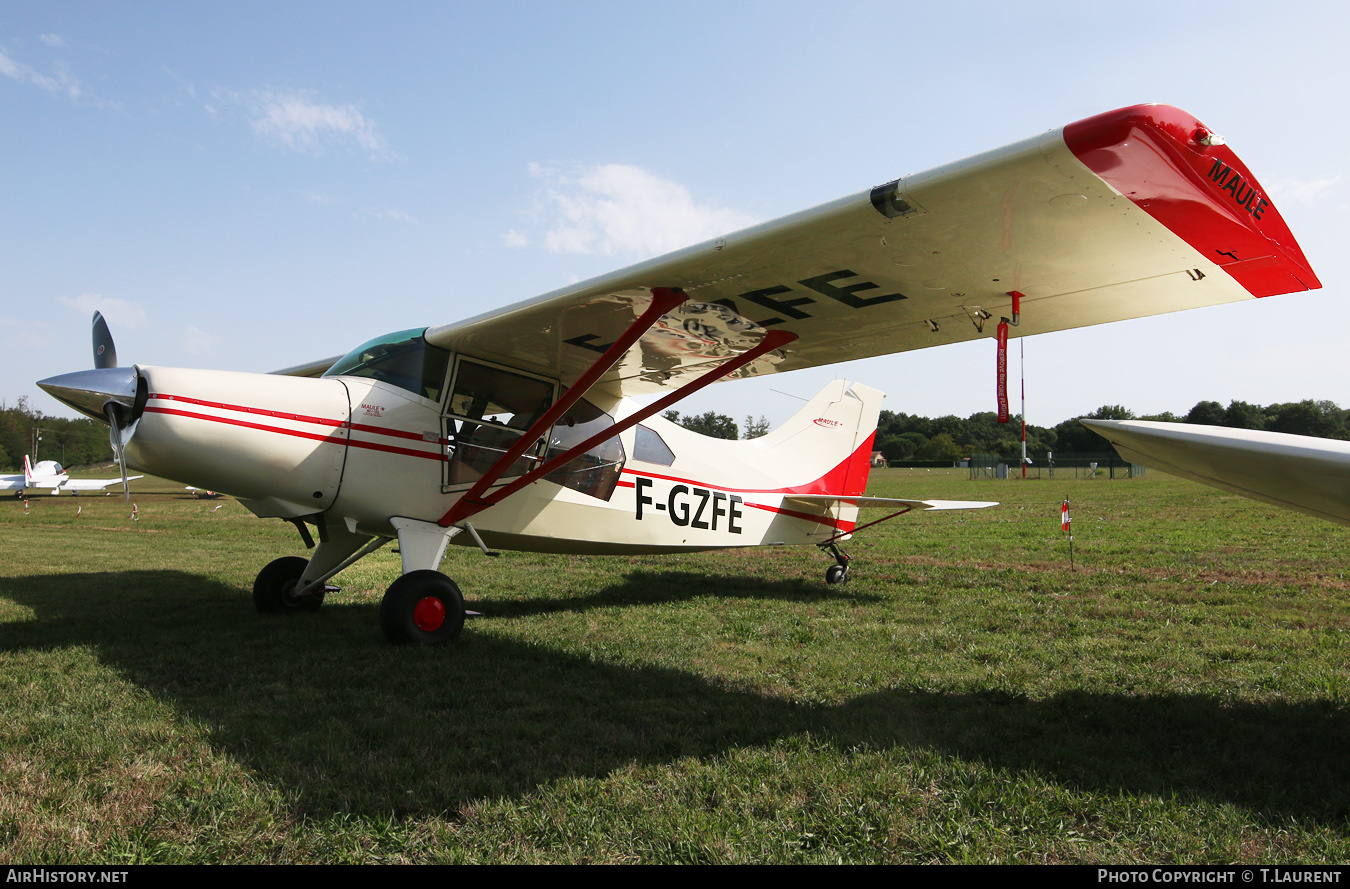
404, 359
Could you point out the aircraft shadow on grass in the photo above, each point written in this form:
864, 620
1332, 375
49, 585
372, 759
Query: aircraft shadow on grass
642, 588
342, 724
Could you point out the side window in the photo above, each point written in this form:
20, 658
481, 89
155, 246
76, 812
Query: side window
650, 447
595, 472
488, 410
498, 396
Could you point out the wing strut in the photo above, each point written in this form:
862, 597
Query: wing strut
663, 300
464, 508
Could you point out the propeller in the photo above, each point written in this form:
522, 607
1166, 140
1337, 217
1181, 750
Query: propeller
115, 395
105, 353
105, 356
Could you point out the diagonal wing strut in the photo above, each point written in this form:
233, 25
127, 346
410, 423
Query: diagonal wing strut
474, 502
663, 300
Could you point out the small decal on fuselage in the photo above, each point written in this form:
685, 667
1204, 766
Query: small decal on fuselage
691, 507
827, 423
372, 410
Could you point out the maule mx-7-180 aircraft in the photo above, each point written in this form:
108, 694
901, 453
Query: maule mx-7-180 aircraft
48, 476
516, 429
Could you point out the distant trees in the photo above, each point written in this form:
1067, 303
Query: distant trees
71, 442
907, 437
1207, 413
755, 428
710, 423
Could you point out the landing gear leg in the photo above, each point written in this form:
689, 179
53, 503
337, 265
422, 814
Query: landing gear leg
838, 572
295, 584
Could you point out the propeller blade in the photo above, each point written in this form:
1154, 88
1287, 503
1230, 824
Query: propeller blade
105, 353
113, 413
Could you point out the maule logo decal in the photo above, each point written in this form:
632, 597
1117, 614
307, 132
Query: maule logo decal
373, 410
828, 424
1247, 197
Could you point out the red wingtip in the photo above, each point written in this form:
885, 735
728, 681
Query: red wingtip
1181, 173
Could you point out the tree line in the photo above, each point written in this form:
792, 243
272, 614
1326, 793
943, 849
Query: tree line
68, 442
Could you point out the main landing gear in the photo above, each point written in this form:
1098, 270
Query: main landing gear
424, 607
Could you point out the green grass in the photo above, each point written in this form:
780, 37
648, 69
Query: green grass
1180, 696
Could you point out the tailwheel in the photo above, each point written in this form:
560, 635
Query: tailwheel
838, 572
424, 607
274, 588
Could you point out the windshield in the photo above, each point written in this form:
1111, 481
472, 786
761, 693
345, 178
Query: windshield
404, 359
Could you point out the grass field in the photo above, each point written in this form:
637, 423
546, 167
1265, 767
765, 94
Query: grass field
1181, 696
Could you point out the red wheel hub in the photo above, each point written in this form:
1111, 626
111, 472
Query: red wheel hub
429, 614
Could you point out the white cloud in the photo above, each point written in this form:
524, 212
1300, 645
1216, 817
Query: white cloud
199, 341
1304, 190
620, 208
118, 312
53, 40
394, 216
514, 238
295, 120
56, 85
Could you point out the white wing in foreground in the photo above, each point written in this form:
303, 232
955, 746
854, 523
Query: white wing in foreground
1297, 472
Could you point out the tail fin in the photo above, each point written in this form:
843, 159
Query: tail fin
27, 470
829, 441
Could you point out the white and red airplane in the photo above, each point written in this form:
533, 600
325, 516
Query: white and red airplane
517, 428
48, 476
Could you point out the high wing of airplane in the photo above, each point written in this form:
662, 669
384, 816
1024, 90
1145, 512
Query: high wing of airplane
48, 476
517, 428
1299, 472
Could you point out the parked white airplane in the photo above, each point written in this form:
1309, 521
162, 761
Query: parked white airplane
48, 476
1298, 472
515, 428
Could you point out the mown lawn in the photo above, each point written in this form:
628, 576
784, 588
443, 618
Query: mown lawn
1180, 696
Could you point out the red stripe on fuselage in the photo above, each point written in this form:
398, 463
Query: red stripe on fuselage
330, 438
299, 418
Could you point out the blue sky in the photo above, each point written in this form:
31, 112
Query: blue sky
249, 186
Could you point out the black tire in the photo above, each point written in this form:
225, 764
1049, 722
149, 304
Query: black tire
424, 607
836, 574
274, 588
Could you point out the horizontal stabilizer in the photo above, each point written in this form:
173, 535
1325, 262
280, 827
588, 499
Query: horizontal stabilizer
891, 502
